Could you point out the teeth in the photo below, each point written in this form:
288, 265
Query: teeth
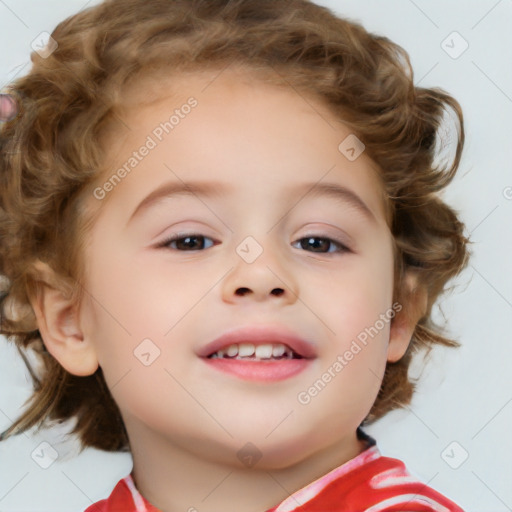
232, 350
267, 351
246, 349
278, 350
264, 351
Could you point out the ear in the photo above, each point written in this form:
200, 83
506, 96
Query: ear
58, 323
405, 320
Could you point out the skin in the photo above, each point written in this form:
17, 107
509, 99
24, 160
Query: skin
185, 421
7, 107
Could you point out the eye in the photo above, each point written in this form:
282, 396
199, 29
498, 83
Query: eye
321, 244
187, 242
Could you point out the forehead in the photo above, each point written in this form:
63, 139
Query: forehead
245, 121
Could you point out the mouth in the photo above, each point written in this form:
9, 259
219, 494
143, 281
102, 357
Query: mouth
259, 353
250, 352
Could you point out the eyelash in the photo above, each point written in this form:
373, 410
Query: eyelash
341, 248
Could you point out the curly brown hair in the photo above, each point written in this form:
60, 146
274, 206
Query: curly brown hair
51, 153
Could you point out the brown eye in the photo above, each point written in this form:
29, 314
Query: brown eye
321, 245
188, 243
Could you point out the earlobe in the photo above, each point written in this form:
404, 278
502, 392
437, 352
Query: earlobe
399, 337
59, 326
405, 321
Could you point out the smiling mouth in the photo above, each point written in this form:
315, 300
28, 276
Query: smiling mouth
263, 354
267, 352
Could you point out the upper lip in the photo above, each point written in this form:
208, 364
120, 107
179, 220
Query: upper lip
259, 335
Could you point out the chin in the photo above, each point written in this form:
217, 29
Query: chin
281, 450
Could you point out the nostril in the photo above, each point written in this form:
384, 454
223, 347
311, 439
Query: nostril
243, 291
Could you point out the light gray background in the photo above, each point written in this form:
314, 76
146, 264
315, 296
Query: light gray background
465, 395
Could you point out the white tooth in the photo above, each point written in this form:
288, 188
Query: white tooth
264, 351
232, 350
214, 356
278, 350
220, 353
245, 349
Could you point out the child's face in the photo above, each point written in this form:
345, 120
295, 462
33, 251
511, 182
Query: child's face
267, 150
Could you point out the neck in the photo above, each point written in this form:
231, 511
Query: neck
174, 478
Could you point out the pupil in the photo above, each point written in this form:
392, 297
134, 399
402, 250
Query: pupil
188, 242
316, 243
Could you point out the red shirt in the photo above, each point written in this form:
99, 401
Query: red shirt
367, 483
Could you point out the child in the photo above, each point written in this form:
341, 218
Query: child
292, 147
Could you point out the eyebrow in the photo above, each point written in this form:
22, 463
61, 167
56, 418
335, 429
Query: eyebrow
209, 189
338, 192
180, 188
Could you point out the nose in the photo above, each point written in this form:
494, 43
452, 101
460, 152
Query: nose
268, 277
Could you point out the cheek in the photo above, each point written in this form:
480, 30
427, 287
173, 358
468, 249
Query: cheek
139, 303
128, 320
351, 297
355, 310
344, 390
143, 292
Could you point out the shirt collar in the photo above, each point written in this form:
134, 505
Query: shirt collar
298, 498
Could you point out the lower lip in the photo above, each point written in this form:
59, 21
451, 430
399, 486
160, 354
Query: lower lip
262, 371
